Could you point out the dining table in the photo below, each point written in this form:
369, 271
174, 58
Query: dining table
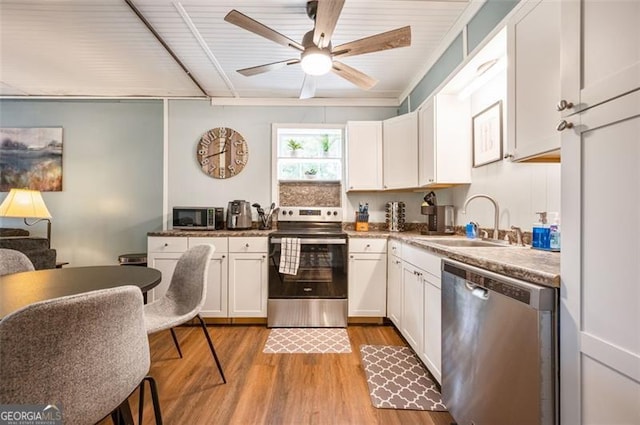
18, 290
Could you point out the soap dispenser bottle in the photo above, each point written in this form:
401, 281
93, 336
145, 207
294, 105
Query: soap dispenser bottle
554, 233
540, 232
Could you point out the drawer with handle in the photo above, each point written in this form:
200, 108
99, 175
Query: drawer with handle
166, 244
248, 244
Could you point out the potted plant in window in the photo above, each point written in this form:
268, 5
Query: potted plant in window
311, 173
294, 146
326, 143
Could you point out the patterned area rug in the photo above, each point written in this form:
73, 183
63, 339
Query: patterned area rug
308, 340
397, 379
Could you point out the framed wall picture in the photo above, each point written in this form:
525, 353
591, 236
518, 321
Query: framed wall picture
31, 158
487, 135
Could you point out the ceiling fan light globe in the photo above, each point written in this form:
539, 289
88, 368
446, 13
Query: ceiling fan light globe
315, 61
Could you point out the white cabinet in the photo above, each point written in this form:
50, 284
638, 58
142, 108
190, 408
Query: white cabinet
600, 51
431, 353
426, 284
364, 155
248, 277
600, 292
444, 142
534, 82
412, 327
215, 303
394, 282
400, 151
163, 254
600, 346
367, 277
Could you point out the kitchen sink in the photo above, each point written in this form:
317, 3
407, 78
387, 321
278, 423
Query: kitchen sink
469, 243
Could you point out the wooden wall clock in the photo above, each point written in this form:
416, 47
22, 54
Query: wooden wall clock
222, 152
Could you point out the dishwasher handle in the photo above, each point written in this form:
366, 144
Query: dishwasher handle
477, 291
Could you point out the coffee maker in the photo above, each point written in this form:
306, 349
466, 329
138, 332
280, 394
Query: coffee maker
440, 218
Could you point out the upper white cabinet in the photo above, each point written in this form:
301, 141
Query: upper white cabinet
444, 147
400, 151
600, 51
533, 46
364, 155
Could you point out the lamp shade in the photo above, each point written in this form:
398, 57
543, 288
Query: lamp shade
24, 203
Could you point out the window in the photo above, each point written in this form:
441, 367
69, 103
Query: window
308, 153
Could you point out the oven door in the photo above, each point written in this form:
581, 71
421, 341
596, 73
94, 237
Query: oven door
322, 272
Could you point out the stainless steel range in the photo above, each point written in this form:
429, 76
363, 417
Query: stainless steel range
316, 295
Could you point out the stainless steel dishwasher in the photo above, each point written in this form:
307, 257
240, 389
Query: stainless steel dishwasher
499, 348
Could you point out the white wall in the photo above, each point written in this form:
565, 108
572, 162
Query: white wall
521, 189
189, 119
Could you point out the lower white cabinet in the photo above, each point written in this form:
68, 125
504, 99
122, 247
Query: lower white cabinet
431, 353
215, 302
248, 277
414, 301
412, 326
367, 277
237, 276
394, 283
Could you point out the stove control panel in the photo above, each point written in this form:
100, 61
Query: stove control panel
332, 214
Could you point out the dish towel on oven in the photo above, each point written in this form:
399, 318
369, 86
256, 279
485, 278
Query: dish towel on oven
290, 255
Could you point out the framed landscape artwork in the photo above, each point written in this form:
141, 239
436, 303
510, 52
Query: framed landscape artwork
487, 135
31, 158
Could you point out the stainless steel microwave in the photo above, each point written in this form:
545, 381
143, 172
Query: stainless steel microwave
198, 218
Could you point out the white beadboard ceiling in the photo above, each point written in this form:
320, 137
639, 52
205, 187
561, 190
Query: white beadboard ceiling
101, 48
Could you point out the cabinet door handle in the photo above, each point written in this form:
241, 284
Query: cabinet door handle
563, 104
264, 256
166, 244
224, 256
246, 245
564, 124
507, 156
351, 256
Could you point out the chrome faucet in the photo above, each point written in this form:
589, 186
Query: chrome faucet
495, 206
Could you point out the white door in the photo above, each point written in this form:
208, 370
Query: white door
394, 290
432, 347
248, 289
367, 285
600, 51
412, 306
166, 263
600, 292
534, 80
400, 151
215, 302
364, 155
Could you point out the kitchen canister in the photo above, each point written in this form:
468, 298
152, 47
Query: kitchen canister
395, 216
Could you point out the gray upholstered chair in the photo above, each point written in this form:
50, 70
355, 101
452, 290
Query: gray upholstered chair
184, 298
12, 261
85, 352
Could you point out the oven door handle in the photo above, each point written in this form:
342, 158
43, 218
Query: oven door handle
309, 241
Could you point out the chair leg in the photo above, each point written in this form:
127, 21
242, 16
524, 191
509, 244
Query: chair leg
175, 342
213, 351
154, 397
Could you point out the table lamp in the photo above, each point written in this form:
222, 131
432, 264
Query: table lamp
26, 204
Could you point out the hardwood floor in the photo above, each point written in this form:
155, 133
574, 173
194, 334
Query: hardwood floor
268, 388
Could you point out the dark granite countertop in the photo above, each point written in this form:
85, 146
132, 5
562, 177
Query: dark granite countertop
210, 233
539, 267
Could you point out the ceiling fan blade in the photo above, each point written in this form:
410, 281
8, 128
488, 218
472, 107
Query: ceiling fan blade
326, 19
308, 89
358, 78
245, 22
254, 70
400, 37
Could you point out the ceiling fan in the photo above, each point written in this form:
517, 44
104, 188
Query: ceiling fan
317, 55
